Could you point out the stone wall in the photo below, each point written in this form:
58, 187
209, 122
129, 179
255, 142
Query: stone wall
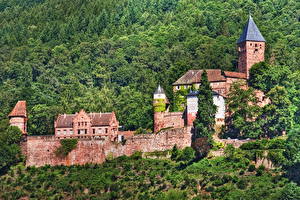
167, 120
39, 150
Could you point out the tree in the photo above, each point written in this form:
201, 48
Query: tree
277, 117
10, 152
290, 192
243, 109
205, 118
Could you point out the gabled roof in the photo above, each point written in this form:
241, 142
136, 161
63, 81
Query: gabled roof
194, 76
159, 90
97, 119
251, 32
19, 110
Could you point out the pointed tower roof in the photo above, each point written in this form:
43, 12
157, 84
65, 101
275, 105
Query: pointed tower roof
159, 90
19, 110
251, 32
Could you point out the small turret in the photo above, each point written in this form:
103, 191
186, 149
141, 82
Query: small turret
159, 100
18, 116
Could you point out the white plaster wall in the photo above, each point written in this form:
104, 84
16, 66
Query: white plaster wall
219, 101
192, 104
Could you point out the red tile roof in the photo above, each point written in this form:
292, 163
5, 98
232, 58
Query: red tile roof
19, 110
235, 74
194, 76
97, 119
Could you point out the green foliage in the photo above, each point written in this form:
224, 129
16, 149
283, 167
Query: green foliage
264, 144
292, 152
276, 117
67, 145
290, 192
160, 105
10, 152
186, 155
251, 168
205, 118
66, 55
179, 100
240, 123
132, 178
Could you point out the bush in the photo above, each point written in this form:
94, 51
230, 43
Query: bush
260, 170
67, 145
251, 168
242, 184
252, 145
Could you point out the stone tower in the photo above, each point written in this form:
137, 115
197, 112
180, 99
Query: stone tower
18, 116
159, 107
251, 47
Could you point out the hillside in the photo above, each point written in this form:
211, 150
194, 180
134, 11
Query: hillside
62, 56
137, 178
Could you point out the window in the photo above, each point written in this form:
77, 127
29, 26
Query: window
106, 130
78, 123
85, 123
255, 45
71, 131
85, 131
58, 132
185, 86
177, 87
93, 131
250, 44
65, 132
78, 132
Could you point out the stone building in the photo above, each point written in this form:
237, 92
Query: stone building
82, 125
250, 47
18, 116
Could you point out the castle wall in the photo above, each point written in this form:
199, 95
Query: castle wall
39, 150
168, 120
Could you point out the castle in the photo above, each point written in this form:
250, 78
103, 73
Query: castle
98, 134
251, 50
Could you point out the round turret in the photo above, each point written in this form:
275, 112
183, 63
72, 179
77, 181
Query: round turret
159, 100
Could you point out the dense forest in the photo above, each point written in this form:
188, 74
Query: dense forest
110, 55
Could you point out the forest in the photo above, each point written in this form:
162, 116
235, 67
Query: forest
108, 55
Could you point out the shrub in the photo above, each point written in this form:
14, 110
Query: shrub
260, 170
242, 184
67, 145
209, 189
252, 145
251, 168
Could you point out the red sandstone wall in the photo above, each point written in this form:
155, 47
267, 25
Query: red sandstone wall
168, 119
40, 149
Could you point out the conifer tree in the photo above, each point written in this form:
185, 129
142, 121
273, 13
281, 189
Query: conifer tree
205, 118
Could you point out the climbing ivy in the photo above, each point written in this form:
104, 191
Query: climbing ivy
67, 145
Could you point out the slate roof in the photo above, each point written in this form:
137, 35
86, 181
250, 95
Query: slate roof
97, 119
19, 110
251, 32
194, 76
159, 90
